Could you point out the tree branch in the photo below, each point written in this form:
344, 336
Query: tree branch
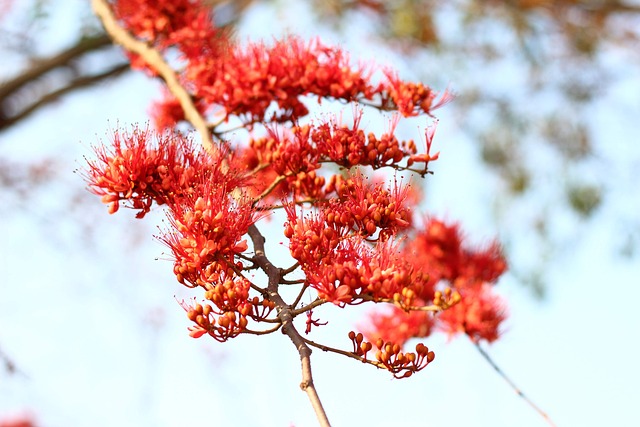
62, 59
153, 58
7, 119
285, 314
504, 376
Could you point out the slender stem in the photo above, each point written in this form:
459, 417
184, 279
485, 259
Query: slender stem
270, 188
515, 388
350, 354
303, 289
291, 269
433, 307
308, 307
263, 332
285, 314
155, 60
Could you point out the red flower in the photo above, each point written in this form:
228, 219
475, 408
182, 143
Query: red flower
398, 326
438, 254
479, 315
140, 170
209, 230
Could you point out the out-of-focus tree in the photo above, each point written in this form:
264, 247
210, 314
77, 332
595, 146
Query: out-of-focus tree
530, 76
527, 74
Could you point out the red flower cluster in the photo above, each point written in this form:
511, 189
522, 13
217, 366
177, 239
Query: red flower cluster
391, 356
438, 253
347, 243
139, 170
167, 22
208, 235
334, 250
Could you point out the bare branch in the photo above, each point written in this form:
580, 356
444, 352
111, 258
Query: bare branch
515, 388
285, 314
62, 59
7, 119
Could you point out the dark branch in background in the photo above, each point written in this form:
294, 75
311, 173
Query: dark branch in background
8, 363
519, 392
7, 120
30, 92
62, 59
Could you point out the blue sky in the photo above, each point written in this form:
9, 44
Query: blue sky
90, 315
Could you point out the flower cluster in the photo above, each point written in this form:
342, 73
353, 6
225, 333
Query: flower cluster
168, 22
142, 168
208, 235
334, 246
474, 309
292, 157
353, 240
391, 356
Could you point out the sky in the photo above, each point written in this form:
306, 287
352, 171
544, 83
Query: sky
88, 306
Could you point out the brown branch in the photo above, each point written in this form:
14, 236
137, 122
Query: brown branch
291, 269
62, 59
7, 120
368, 298
318, 302
263, 332
285, 314
153, 58
303, 289
515, 388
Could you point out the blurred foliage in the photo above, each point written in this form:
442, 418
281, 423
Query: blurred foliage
527, 74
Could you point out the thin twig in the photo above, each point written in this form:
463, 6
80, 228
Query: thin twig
263, 332
299, 297
318, 302
270, 188
291, 269
43, 66
512, 384
350, 354
153, 58
286, 317
7, 120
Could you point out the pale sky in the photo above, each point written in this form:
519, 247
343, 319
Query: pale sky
89, 315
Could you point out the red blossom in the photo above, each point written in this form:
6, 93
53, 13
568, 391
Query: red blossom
479, 315
368, 209
411, 99
208, 234
348, 146
166, 22
311, 322
246, 81
399, 326
142, 168
438, 253
347, 243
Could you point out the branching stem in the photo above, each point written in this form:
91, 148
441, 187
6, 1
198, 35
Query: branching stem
344, 353
285, 314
